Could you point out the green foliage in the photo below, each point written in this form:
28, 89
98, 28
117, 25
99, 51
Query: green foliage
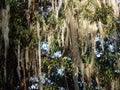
52, 21
102, 14
105, 15
41, 20
54, 46
20, 34
51, 87
106, 69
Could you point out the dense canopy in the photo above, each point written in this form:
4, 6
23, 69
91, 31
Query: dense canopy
59, 45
